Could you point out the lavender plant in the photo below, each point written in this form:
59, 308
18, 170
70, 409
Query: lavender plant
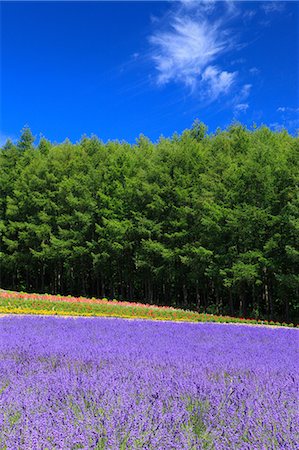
117, 384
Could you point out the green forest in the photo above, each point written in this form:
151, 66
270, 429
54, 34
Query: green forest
202, 221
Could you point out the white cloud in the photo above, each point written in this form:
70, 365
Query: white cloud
243, 94
245, 91
188, 45
182, 53
249, 14
287, 109
241, 107
276, 126
186, 50
205, 5
273, 7
254, 71
288, 118
239, 101
217, 82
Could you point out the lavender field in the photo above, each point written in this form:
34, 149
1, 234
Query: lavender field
118, 384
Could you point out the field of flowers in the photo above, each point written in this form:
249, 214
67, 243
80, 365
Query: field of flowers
45, 304
71, 383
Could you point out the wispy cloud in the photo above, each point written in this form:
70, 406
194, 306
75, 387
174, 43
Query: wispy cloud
206, 6
182, 52
217, 81
239, 102
254, 71
249, 14
188, 48
288, 118
287, 109
241, 107
244, 92
273, 7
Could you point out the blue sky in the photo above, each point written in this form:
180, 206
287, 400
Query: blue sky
118, 69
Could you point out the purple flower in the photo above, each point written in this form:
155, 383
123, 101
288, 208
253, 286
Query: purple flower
112, 383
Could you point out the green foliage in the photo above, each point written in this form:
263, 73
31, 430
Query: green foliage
26, 140
207, 222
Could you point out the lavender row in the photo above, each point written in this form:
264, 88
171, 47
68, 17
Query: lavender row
118, 384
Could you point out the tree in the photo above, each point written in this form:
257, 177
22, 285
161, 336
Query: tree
199, 221
26, 140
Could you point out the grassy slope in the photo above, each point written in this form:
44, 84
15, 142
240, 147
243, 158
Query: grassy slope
22, 303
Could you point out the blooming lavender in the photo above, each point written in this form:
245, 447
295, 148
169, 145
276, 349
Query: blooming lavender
119, 384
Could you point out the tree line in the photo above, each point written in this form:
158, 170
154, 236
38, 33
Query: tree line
200, 221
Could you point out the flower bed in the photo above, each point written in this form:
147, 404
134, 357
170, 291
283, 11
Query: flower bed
24, 303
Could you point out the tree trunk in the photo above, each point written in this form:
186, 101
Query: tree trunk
287, 314
242, 302
185, 295
150, 292
231, 302
43, 277
198, 302
103, 293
